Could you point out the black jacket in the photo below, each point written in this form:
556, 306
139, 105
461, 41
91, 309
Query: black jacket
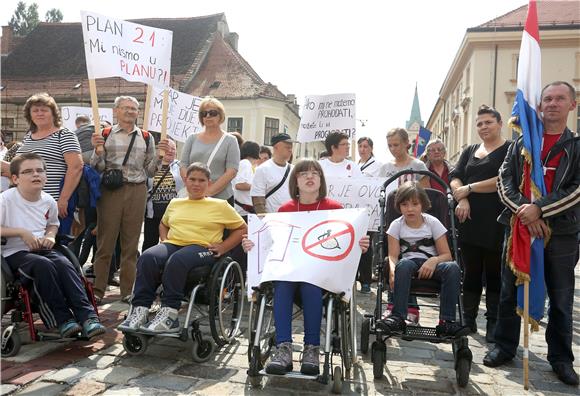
560, 208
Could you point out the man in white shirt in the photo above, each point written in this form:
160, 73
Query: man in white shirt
337, 165
270, 185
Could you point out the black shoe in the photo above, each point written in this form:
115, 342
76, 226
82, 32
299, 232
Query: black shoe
565, 373
449, 329
393, 325
496, 357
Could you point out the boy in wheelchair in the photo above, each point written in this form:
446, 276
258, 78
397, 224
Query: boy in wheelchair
29, 224
418, 247
191, 233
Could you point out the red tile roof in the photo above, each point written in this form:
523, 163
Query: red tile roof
550, 13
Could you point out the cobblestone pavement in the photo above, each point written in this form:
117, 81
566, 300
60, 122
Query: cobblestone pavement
102, 367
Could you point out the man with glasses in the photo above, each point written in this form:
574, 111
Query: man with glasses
337, 165
120, 210
437, 163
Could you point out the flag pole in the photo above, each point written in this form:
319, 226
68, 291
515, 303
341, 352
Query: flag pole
95, 106
526, 332
147, 105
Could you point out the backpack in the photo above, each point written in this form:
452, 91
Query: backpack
146, 135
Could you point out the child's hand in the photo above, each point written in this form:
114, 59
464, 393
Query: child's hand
47, 242
247, 244
30, 240
364, 243
427, 269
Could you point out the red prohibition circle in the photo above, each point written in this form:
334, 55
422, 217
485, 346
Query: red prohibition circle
349, 230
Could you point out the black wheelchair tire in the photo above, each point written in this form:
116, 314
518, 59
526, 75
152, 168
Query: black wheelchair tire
365, 331
12, 346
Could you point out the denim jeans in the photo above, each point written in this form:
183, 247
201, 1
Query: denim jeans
448, 273
560, 258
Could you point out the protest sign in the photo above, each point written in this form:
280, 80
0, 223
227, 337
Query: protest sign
182, 115
323, 114
359, 192
117, 48
70, 113
318, 247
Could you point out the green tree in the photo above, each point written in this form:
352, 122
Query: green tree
25, 18
53, 15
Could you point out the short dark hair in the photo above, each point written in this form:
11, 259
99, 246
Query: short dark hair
19, 159
250, 150
366, 139
333, 139
82, 119
571, 89
485, 109
412, 190
199, 167
264, 149
306, 165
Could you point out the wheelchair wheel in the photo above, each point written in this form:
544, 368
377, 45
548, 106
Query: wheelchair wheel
3, 293
462, 369
226, 302
12, 345
135, 344
345, 339
201, 351
337, 381
378, 357
365, 331
267, 332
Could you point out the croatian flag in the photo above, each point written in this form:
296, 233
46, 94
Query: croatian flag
525, 253
421, 142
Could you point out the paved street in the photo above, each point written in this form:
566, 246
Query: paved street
413, 368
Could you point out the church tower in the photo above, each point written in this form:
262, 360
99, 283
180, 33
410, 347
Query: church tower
415, 121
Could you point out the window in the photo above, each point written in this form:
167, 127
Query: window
271, 128
235, 124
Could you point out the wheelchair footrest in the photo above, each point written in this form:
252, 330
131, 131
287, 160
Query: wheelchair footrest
291, 374
421, 333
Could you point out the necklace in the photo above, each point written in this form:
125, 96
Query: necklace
317, 206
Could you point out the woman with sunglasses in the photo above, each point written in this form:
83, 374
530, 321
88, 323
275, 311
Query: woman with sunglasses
214, 147
308, 191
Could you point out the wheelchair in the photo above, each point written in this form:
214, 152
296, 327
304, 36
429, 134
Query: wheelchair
340, 337
19, 303
221, 288
442, 208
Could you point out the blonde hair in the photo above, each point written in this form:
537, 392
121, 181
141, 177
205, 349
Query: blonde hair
210, 100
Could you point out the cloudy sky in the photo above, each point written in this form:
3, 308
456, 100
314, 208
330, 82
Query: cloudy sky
376, 49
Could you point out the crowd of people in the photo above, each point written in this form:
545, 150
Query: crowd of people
194, 209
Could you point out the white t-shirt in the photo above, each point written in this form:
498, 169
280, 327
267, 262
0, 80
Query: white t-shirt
17, 212
345, 168
389, 169
267, 176
371, 167
431, 228
245, 175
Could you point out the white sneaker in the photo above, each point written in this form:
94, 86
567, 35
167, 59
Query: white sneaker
166, 321
138, 316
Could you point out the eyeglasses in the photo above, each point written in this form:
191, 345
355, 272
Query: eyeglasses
306, 174
27, 172
129, 108
209, 113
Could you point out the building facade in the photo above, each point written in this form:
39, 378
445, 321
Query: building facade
484, 70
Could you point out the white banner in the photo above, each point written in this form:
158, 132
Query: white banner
182, 116
323, 114
70, 113
359, 192
318, 247
117, 48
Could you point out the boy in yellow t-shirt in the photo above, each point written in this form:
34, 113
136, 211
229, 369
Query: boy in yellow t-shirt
191, 234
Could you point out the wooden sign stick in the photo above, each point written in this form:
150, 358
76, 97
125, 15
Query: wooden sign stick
95, 107
147, 106
164, 117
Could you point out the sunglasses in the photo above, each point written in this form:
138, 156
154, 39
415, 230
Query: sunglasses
209, 113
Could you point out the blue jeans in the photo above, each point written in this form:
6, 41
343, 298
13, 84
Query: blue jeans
448, 273
560, 258
169, 265
312, 306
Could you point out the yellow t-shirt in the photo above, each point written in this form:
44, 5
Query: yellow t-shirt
199, 221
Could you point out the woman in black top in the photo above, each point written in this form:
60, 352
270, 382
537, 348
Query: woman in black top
480, 235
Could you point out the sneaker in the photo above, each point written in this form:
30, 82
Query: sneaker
137, 318
92, 327
393, 325
447, 328
281, 362
166, 321
127, 299
70, 328
412, 317
310, 360
365, 288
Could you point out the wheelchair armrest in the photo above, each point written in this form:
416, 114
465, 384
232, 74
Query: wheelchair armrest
63, 239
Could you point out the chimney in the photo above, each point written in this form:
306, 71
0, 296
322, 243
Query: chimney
233, 40
291, 98
7, 40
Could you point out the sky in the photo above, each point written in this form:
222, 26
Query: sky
377, 49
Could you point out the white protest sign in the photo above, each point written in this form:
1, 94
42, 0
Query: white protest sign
182, 116
70, 113
318, 247
323, 114
359, 192
117, 48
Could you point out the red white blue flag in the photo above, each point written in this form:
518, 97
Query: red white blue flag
525, 253
421, 142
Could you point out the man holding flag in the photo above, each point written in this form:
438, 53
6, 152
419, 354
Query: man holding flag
553, 216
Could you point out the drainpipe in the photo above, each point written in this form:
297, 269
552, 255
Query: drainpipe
494, 76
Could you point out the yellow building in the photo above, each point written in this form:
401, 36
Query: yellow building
484, 70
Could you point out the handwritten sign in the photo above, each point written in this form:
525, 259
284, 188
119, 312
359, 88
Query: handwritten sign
323, 114
182, 116
70, 113
318, 247
117, 48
